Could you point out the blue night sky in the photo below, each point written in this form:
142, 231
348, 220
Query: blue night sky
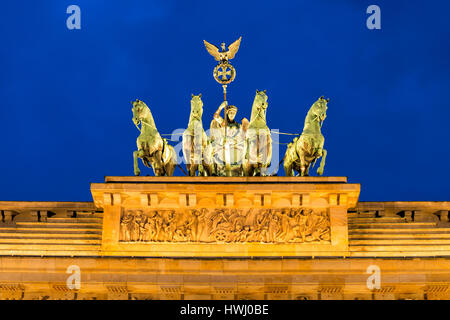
65, 112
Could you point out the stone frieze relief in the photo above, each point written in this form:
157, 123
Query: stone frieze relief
289, 225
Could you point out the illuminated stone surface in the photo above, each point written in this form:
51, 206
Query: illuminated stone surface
225, 238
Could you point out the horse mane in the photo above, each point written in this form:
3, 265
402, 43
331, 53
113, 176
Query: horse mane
150, 121
310, 113
255, 112
310, 116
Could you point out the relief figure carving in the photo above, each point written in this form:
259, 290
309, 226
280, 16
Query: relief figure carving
223, 225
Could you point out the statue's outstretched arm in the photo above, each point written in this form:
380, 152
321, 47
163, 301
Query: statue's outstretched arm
217, 116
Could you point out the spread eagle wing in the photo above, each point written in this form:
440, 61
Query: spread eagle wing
233, 48
212, 49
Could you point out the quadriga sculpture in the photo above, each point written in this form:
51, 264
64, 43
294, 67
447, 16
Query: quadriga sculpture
154, 151
258, 139
196, 146
303, 152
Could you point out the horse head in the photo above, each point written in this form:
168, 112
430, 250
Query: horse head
259, 106
319, 109
196, 107
141, 112
260, 99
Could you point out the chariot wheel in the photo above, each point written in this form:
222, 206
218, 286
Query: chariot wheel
220, 236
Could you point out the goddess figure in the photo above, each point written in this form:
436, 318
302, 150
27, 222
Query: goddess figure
228, 145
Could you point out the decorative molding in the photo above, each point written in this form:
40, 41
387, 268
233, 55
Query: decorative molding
229, 200
171, 289
333, 199
296, 200
154, 200
224, 290
343, 199
277, 289
8, 215
305, 199
436, 289
107, 199
192, 200
331, 289
145, 200
258, 200
117, 289
11, 287
62, 288
117, 200
183, 199
387, 289
267, 200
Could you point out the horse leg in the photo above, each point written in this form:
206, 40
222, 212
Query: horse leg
188, 167
157, 164
170, 168
250, 165
207, 168
207, 161
172, 163
322, 162
158, 159
245, 168
192, 169
137, 154
257, 171
228, 170
193, 157
303, 166
268, 155
288, 169
153, 166
308, 165
248, 170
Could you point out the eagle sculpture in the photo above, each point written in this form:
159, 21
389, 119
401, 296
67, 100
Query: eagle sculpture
223, 55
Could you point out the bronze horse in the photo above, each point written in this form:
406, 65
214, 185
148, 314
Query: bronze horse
258, 139
196, 145
154, 151
304, 151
